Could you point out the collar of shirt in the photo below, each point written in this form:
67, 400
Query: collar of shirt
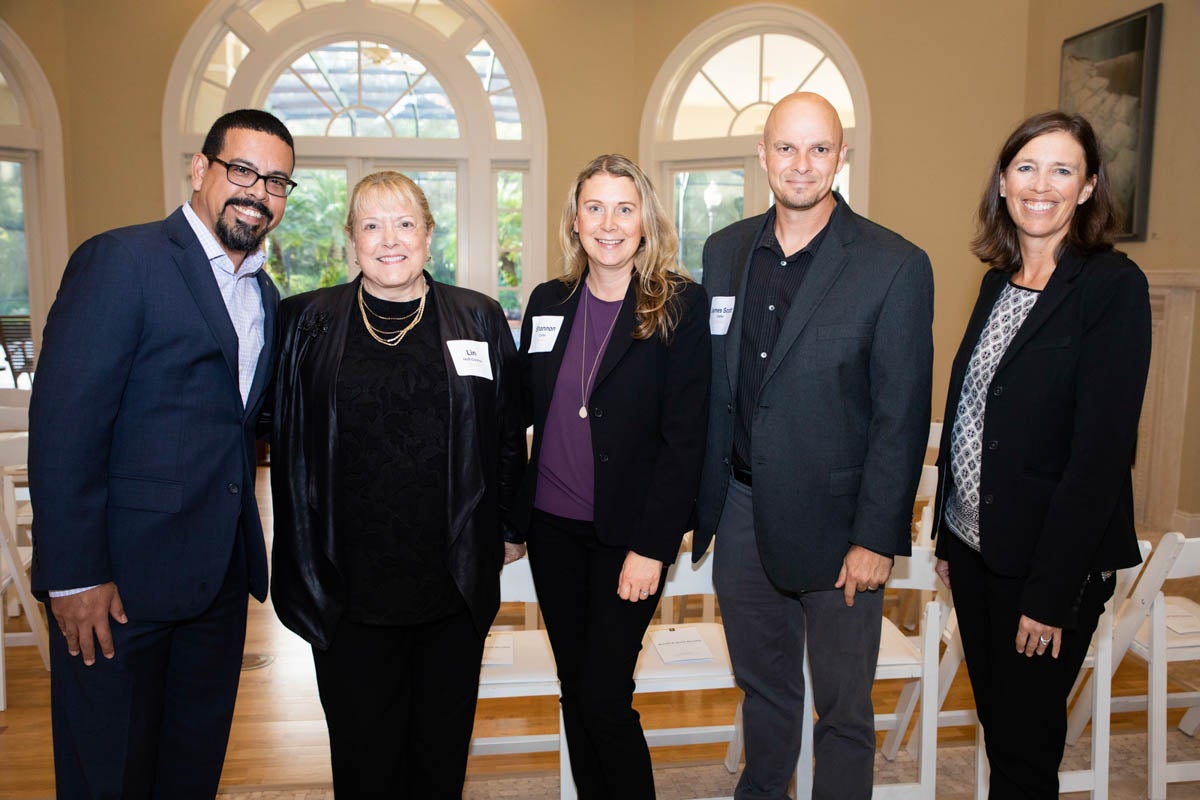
216, 254
767, 239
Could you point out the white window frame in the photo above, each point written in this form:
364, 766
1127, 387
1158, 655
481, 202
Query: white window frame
475, 155
37, 144
662, 155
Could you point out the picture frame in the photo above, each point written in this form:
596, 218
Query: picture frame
1109, 75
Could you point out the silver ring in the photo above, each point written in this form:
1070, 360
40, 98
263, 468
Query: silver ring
1045, 641
645, 593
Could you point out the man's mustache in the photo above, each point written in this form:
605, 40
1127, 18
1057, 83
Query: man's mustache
250, 203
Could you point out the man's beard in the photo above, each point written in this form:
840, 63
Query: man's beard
239, 236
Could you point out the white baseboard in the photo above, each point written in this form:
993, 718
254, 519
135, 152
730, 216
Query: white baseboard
1186, 523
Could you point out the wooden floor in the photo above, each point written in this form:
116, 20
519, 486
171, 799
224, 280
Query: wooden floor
279, 735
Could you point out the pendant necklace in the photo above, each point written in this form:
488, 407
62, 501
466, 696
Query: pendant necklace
585, 385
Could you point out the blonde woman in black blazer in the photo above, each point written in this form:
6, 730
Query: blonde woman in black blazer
615, 358
1035, 503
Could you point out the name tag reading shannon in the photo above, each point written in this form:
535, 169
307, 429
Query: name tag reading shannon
545, 334
719, 315
470, 358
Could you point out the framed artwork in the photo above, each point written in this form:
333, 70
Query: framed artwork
1109, 75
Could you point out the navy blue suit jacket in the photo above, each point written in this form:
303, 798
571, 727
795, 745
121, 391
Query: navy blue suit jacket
141, 453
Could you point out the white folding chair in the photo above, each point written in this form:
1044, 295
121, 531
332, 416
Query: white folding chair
1159, 629
652, 674
15, 559
532, 674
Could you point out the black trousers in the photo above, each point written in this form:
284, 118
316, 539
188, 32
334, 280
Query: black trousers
154, 721
596, 637
400, 705
1021, 700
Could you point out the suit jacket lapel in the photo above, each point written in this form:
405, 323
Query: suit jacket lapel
1061, 284
266, 359
197, 274
622, 334
566, 305
740, 259
823, 272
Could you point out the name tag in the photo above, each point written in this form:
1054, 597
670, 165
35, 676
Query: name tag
719, 315
470, 358
545, 334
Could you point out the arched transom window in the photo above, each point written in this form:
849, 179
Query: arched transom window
439, 90
705, 114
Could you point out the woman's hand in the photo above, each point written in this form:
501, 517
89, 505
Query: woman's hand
513, 552
1033, 637
639, 577
942, 568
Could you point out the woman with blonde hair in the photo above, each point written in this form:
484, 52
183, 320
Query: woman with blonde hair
615, 366
397, 448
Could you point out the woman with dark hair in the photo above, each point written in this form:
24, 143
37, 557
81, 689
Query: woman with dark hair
397, 447
615, 362
1035, 503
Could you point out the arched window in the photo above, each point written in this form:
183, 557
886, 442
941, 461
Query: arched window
705, 113
33, 252
439, 89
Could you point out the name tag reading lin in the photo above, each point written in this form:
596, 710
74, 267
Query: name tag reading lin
470, 358
719, 315
545, 334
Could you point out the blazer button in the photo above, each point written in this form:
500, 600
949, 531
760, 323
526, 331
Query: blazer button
993, 445
725, 460
997, 391
988, 499
597, 413
233, 488
729, 407
603, 458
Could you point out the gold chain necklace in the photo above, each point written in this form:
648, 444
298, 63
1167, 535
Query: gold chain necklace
390, 338
585, 386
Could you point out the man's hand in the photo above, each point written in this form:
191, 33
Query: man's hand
639, 577
513, 552
83, 620
862, 571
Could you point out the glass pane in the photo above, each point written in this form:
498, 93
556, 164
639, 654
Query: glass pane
10, 114
439, 15
828, 82
270, 13
210, 104
14, 264
735, 71
705, 202
362, 89
703, 113
314, 3
226, 59
308, 249
403, 5
841, 183
441, 190
751, 120
508, 116
787, 61
510, 193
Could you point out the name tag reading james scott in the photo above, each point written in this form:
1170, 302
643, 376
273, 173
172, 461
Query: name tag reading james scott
470, 358
720, 314
545, 334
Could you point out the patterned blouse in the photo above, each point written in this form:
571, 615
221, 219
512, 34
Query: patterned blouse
966, 439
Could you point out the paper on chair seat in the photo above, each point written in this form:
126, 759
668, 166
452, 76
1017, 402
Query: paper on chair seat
677, 644
1182, 622
498, 649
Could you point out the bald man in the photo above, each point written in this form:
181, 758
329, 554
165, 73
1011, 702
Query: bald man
822, 359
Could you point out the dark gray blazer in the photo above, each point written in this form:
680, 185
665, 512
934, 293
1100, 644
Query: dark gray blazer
843, 415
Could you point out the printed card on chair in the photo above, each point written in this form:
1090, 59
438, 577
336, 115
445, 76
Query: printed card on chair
677, 644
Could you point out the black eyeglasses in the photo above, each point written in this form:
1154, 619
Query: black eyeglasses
245, 177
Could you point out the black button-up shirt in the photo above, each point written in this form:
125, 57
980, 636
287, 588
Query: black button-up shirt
771, 287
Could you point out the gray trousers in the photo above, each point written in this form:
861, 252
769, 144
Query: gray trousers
766, 629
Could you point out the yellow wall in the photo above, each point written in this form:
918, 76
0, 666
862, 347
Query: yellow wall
947, 80
1173, 241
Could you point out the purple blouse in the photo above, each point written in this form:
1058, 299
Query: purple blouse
566, 472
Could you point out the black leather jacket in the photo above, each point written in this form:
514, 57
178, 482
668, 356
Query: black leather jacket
486, 455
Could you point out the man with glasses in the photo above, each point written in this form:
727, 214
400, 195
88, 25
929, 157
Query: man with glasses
155, 360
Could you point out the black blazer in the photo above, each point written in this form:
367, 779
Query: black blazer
1056, 494
141, 452
843, 415
486, 454
648, 408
